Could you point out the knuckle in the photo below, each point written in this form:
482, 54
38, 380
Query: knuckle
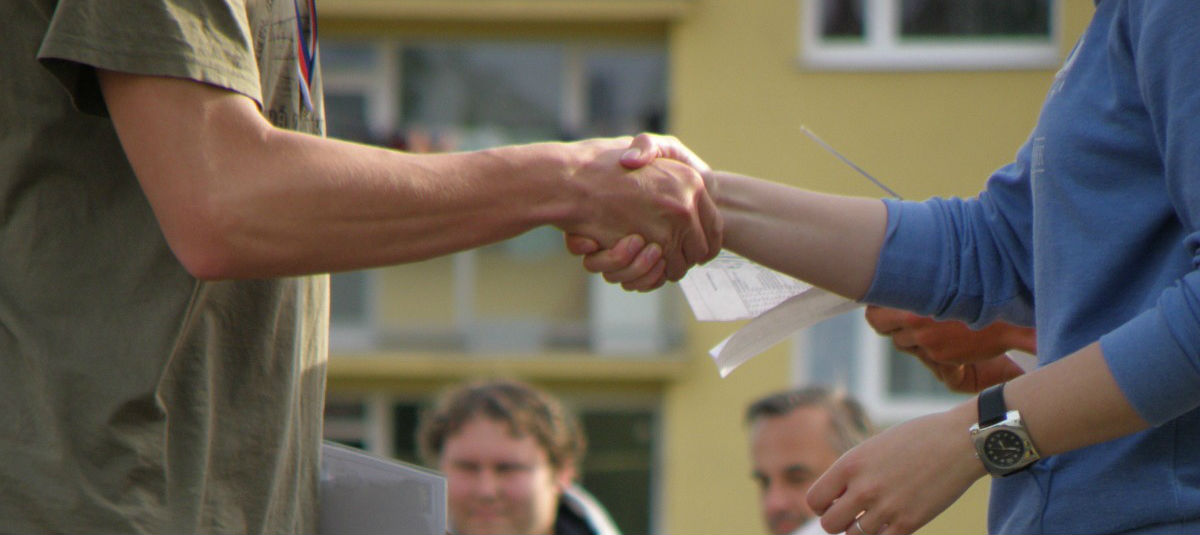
621, 257
853, 464
870, 493
922, 339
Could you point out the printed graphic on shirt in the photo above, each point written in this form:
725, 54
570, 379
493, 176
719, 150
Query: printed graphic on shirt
1060, 77
1037, 158
286, 45
306, 49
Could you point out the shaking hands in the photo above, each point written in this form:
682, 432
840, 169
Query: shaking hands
653, 217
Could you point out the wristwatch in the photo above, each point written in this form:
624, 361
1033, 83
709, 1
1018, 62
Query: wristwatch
1001, 440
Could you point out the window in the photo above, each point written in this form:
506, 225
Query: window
845, 352
352, 314
929, 34
433, 96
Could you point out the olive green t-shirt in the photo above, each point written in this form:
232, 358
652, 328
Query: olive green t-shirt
133, 397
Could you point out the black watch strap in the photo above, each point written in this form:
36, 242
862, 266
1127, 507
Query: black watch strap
992, 409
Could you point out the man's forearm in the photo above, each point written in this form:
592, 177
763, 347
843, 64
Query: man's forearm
316, 204
237, 197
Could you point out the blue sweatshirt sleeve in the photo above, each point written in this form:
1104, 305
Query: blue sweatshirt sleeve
1155, 357
967, 259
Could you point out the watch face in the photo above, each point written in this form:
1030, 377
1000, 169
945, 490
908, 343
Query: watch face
1004, 448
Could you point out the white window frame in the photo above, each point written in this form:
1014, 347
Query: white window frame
873, 371
863, 371
883, 49
377, 85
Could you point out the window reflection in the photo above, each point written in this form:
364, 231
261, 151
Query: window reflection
842, 19
923, 34
472, 96
949, 18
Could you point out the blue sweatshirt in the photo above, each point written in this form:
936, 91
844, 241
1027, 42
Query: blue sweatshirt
1093, 233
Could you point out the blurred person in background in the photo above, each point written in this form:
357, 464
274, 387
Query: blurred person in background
511, 455
795, 435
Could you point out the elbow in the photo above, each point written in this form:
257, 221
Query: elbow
206, 263
202, 241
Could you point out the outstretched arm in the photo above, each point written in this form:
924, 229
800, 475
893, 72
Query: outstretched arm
237, 197
830, 241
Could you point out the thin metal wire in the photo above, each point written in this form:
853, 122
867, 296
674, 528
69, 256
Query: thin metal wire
847, 161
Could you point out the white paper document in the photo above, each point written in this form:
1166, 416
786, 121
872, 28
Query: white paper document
365, 494
731, 288
1027, 361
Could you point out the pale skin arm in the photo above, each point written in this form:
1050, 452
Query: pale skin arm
239, 198
840, 236
902, 478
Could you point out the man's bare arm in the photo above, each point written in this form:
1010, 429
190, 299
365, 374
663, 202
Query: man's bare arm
238, 198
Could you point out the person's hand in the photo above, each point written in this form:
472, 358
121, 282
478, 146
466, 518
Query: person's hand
966, 360
899, 480
976, 376
632, 263
664, 201
628, 263
635, 263
646, 148
948, 341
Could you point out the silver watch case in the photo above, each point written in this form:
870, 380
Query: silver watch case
1004, 447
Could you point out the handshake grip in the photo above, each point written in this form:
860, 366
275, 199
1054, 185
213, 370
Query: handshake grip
650, 219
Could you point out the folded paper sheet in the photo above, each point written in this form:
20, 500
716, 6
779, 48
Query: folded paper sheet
365, 494
797, 312
731, 288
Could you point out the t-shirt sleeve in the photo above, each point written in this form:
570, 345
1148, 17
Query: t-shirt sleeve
207, 41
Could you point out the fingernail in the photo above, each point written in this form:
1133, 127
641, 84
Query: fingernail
631, 154
653, 253
635, 244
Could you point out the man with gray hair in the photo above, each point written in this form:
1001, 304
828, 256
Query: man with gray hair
795, 435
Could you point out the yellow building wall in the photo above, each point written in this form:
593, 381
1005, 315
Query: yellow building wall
738, 98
